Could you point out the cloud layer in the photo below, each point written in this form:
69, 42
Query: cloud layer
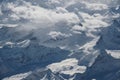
68, 22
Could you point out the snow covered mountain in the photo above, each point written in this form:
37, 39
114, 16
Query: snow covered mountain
60, 40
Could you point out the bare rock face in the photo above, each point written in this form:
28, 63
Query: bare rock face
111, 36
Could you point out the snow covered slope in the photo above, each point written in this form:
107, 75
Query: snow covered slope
59, 39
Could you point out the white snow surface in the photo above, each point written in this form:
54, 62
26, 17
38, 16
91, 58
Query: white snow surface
114, 53
68, 66
18, 76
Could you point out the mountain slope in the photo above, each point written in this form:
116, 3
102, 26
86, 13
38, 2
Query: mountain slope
59, 40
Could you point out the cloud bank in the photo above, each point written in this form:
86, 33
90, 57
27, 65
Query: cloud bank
67, 20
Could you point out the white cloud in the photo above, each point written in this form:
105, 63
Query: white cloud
78, 28
58, 21
40, 16
93, 21
61, 10
95, 6
55, 35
